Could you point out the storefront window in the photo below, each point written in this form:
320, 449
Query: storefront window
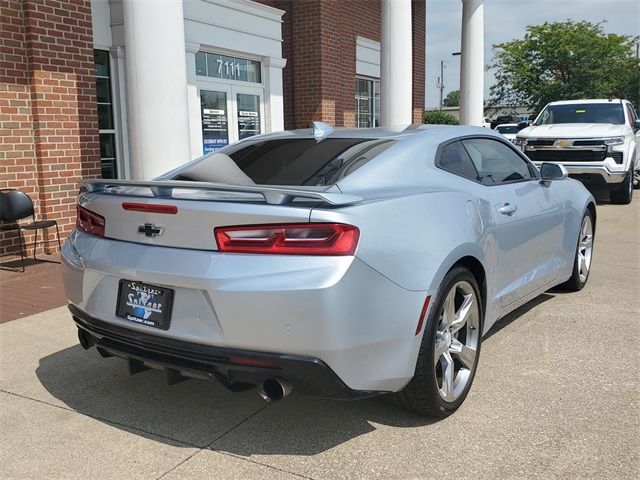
367, 103
105, 115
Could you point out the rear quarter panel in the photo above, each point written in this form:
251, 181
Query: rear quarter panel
415, 239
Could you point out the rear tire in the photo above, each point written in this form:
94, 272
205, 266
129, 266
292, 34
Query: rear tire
582, 259
449, 350
624, 194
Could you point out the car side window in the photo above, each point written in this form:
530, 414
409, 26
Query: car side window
454, 158
496, 162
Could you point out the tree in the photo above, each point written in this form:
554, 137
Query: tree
438, 117
565, 61
452, 99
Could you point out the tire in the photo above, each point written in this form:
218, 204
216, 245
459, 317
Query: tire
426, 393
624, 194
584, 249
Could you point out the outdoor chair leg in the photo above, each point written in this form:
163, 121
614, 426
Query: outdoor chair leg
22, 247
58, 237
35, 245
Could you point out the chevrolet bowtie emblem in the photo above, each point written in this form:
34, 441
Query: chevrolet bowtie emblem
563, 143
150, 230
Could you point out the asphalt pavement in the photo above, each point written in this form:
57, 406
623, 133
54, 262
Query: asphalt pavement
556, 396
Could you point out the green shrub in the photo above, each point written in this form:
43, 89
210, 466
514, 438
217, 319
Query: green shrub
437, 117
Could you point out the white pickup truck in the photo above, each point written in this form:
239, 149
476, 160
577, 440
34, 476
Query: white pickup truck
598, 142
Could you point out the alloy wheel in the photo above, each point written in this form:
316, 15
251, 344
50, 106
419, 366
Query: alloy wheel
585, 247
456, 341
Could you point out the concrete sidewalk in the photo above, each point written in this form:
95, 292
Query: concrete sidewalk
556, 396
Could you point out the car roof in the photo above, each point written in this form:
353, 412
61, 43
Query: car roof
436, 133
591, 100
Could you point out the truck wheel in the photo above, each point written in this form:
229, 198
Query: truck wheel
624, 193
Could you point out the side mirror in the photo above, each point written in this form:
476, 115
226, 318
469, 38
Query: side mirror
636, 125
553, 171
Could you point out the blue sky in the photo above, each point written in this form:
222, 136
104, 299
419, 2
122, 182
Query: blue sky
506, 20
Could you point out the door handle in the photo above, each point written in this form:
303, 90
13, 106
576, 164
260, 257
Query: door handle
507, 209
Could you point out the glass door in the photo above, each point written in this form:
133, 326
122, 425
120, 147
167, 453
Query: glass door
249, 118
229, 113
214, 108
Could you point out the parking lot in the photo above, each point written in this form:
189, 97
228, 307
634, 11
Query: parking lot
556, 396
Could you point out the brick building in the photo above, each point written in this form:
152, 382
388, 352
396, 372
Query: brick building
93, 88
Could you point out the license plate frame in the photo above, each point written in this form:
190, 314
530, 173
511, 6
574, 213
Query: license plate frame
144, 303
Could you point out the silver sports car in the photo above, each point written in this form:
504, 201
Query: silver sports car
335, 263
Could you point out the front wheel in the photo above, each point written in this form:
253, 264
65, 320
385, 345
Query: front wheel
582, 260
450, 348
624, 194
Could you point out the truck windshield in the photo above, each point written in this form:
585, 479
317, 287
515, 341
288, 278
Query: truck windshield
582, 113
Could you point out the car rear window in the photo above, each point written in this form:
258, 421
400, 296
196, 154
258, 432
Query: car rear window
285, 161
509, 129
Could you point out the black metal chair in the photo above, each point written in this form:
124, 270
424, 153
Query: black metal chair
16, 205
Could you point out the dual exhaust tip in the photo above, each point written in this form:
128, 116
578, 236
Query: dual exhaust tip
271, 389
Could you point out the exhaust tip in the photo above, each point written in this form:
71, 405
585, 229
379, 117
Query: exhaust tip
85, 339
274, 389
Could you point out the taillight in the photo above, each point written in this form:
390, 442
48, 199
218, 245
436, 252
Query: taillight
289, 239
150, 208
90, 222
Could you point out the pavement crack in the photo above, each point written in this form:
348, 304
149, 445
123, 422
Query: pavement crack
108, 421
261, 464
236, 426
208, 447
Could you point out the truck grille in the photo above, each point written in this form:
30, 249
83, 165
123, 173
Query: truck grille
566, 155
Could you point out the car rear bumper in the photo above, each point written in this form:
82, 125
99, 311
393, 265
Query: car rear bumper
356, 321
237, 370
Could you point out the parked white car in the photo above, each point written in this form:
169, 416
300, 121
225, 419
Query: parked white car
508, 130
598, 141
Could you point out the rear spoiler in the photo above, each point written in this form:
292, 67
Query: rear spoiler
273, 195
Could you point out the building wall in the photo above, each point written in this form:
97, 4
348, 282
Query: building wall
48, 116
319, 43
48, 111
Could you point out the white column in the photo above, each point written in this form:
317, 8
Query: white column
193, 101
273, 103
472, 63
396, 72
156, 86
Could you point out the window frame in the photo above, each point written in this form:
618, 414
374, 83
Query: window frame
535, 173
374, 103
115, 160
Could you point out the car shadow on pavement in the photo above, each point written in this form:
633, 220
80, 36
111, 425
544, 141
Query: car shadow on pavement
197, 413
517, 313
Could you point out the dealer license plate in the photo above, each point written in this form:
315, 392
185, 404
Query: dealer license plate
144, 304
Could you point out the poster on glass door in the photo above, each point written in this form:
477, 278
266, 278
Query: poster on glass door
248, 115
215, 125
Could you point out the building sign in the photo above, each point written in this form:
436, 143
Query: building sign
228, 68
215, 128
